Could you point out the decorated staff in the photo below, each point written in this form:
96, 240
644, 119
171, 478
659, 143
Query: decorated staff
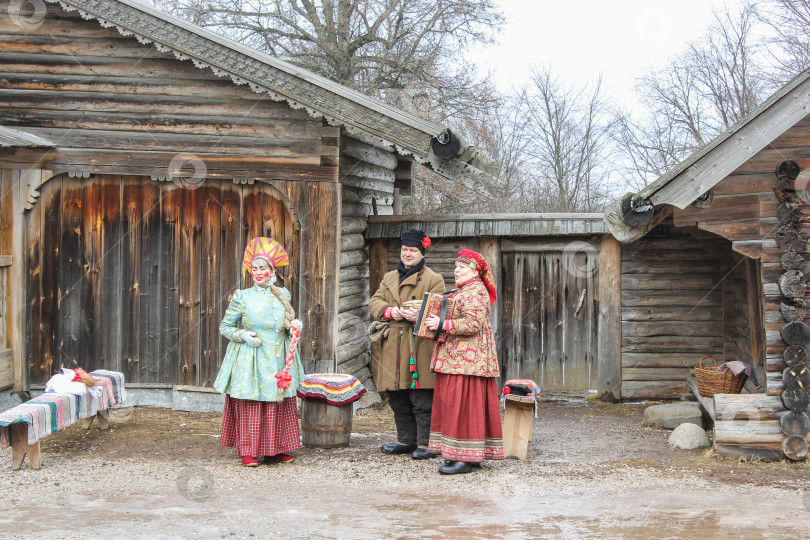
261, 370
403, 368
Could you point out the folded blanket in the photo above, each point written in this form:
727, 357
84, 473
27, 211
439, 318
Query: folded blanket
335, 388
737, 367
520, 387
52, 411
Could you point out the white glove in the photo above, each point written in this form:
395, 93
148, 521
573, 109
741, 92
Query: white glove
250, 338
297, 323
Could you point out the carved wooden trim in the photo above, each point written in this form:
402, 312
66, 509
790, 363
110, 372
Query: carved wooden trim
362, 116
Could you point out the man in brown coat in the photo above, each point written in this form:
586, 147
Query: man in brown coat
409, 383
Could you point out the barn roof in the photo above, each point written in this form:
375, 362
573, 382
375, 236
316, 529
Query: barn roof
360, 115
473, 225
691, 178
686, 182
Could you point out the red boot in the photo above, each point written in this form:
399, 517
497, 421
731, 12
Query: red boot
279, 458
248, 461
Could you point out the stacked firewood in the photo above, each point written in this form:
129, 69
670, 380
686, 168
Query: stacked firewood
795, 333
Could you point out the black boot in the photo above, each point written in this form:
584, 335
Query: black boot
422, 453
396, 448
455, 467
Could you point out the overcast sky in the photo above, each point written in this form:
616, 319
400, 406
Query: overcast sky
578, 39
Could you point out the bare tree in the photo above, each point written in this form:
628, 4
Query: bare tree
569, 129
789, 38
648, 148
501, 131
407, 52
701, 93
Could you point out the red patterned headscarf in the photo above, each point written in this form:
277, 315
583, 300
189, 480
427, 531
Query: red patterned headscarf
476, 261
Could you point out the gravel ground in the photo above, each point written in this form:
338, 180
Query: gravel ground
593, 470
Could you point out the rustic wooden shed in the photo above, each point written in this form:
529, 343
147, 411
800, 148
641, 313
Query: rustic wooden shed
725, 274
547, 273
139, 153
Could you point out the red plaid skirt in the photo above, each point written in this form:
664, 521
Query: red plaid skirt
465, 423
260, 428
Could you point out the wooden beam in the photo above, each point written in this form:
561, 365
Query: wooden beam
730, 152
627, 234
653, 389
318, 286
609, 366
20, 182
745, 431
708, 403
535, 245
753, 270
767, 451
378, 251
417, 219
489, 247
742, 407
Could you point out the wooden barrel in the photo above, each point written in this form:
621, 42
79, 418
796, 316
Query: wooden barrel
324, 425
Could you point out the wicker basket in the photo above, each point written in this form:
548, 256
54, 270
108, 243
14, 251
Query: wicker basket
711, 381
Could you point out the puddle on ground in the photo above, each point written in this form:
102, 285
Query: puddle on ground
332, 512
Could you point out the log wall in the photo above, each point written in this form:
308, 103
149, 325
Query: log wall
367, 179
122, 115
9, 186
672, 312
744, 209
112, 104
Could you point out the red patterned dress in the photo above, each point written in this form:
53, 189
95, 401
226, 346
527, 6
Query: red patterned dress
466, 422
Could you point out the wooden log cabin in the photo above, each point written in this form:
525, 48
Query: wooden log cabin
726, 274
139, 153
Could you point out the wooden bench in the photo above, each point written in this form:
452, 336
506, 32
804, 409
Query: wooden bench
23, 426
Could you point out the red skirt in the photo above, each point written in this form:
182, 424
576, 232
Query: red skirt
260, 428
466, 419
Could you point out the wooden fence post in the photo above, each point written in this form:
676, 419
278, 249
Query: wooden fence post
609, 367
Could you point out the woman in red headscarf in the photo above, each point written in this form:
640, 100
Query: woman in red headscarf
466, 423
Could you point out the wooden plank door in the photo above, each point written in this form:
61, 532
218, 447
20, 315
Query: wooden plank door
131, 275
549, 318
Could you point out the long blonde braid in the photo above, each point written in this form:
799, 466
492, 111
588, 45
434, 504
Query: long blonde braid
289, 313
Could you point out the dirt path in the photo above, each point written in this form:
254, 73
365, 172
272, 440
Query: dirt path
593, 470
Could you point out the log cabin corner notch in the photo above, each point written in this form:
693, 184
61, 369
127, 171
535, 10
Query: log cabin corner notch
727, 208
104, 97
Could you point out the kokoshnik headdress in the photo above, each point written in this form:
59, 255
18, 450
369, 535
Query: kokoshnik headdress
267, 249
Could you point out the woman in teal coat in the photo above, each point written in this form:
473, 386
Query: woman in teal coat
261, 417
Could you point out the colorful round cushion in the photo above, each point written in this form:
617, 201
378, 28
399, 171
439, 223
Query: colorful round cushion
335, 388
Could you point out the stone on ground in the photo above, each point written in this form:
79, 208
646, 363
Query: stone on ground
8, 400
689, 436
370, 398
672, 415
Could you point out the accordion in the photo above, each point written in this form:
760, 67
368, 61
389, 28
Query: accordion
433, 304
